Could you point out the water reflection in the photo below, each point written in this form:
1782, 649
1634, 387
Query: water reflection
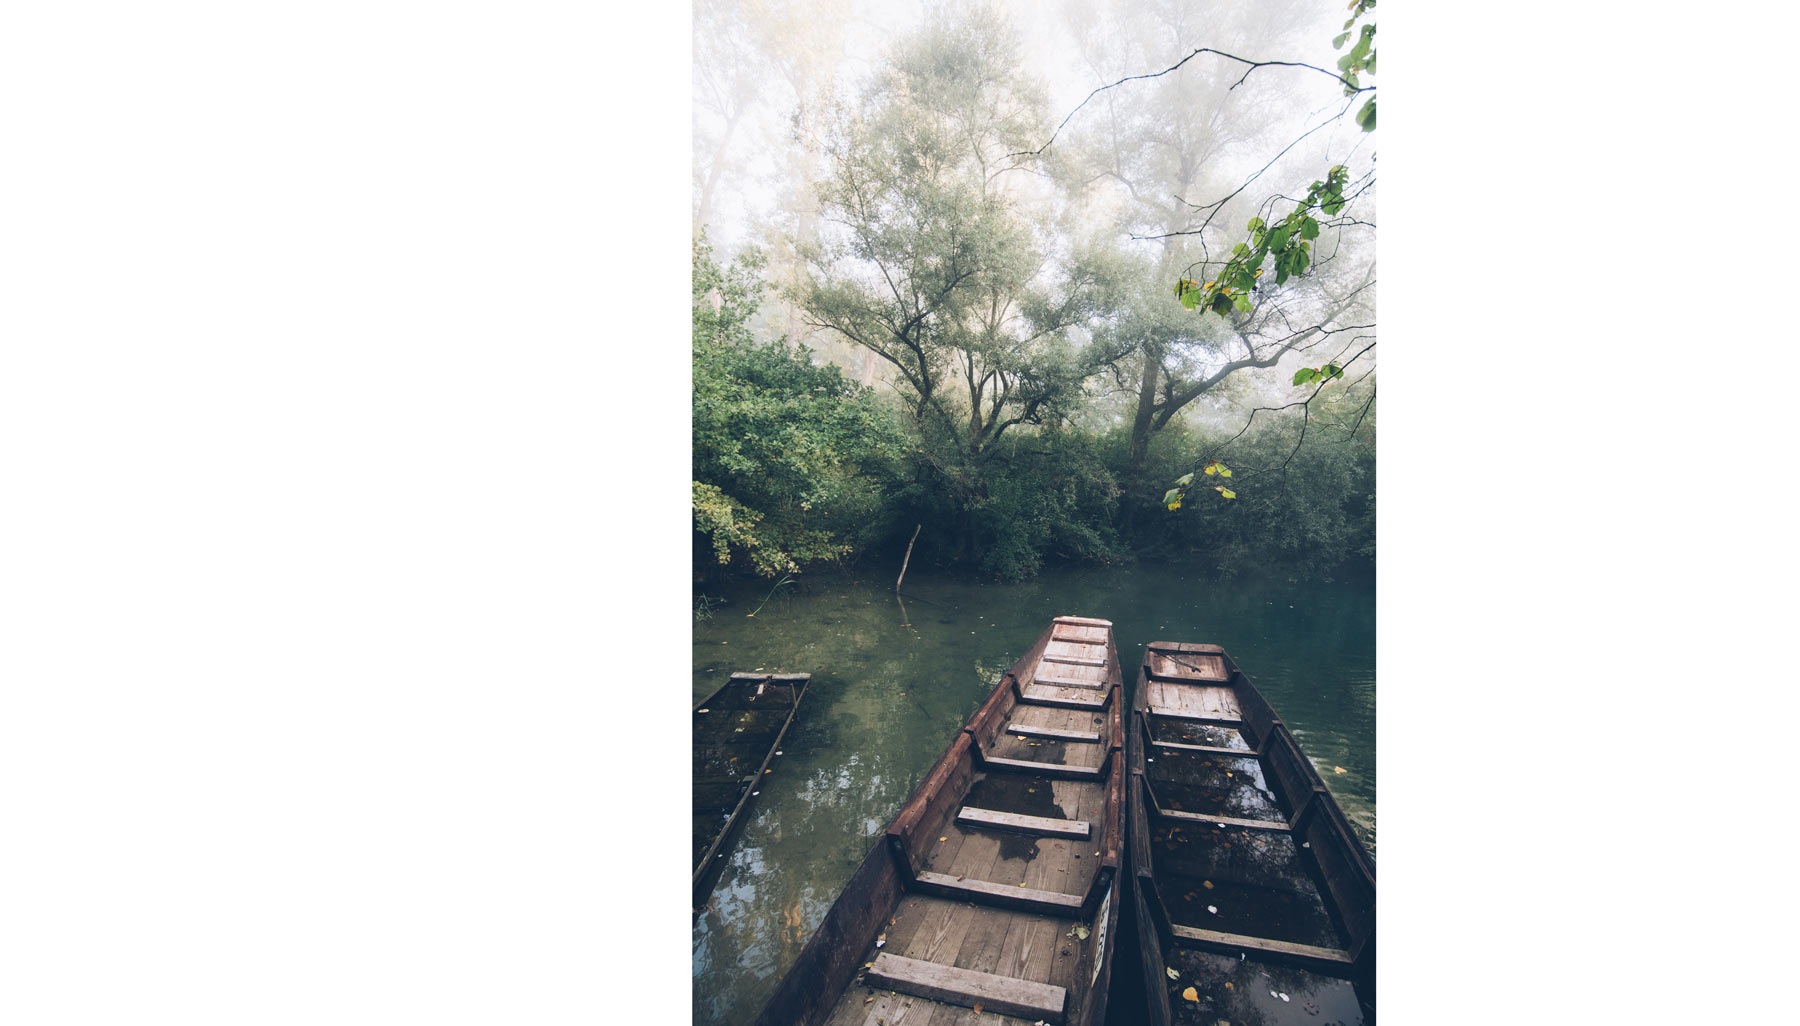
892, 684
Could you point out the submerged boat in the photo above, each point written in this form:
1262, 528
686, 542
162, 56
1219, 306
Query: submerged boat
1255, 902
737, 734
993, 896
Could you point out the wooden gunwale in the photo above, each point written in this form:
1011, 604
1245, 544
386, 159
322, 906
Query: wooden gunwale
709, 865
1322, 839
958, 920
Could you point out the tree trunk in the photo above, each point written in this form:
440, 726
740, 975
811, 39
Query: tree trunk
1140, 424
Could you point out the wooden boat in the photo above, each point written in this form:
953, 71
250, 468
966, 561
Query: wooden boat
993, 897
1249, 884
737, 731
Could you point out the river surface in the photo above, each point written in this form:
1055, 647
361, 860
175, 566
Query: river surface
893, 680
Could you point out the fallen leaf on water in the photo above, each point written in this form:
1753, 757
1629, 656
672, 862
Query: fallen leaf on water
1206, 884
1173, 974
1214, 909
1191, 994
703, 710
1339, 769
1228, 985
1283, 997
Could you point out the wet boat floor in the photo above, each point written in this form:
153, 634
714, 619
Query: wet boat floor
1022, 945
1059, 864
1252, 882
1246, 993
1212, 785
1193, 732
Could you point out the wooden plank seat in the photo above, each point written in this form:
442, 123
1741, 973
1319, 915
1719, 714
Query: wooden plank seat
1056, 734
1063, 698
1004, 995
1200, 817
1047, 769
1025, 824
1073, 660
1235, 753
1026, 899
1304, 955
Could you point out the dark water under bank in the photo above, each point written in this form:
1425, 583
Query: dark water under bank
893, 680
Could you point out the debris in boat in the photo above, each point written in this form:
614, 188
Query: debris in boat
881, 940
1191, 994
868, 999
946, 837
1173, 974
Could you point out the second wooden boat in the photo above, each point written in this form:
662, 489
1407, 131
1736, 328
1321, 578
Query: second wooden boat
1255, 902
737, 733
993, 896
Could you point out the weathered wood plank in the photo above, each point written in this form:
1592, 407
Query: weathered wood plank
1064, 698
1023, 824
999, 895
1248, 824
1055, 733
1088, 620
1235, 753
1073, 660
1187, 665
1003, 994
1048, 769
1089, 677
1327, 959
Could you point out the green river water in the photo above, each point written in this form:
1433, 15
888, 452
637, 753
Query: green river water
893, 680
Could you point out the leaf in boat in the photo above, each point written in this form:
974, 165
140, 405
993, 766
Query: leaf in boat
946, 837
879, 941
1173, 974
977, 1008
1191, 994
1081, 932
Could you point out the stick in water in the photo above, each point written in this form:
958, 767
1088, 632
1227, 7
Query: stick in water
907, 560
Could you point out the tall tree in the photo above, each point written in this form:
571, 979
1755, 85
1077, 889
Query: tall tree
942, 260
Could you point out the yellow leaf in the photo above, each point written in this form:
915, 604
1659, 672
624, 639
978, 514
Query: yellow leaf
1228, 985
1191, 994
1210, 469
1339, 769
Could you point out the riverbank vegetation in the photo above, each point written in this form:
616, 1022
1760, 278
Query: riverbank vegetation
954, 315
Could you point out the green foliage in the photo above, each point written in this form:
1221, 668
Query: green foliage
1288, 243
1305, 519
790, 460
1307, 375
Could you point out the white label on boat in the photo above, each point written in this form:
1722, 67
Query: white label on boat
1100, 937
